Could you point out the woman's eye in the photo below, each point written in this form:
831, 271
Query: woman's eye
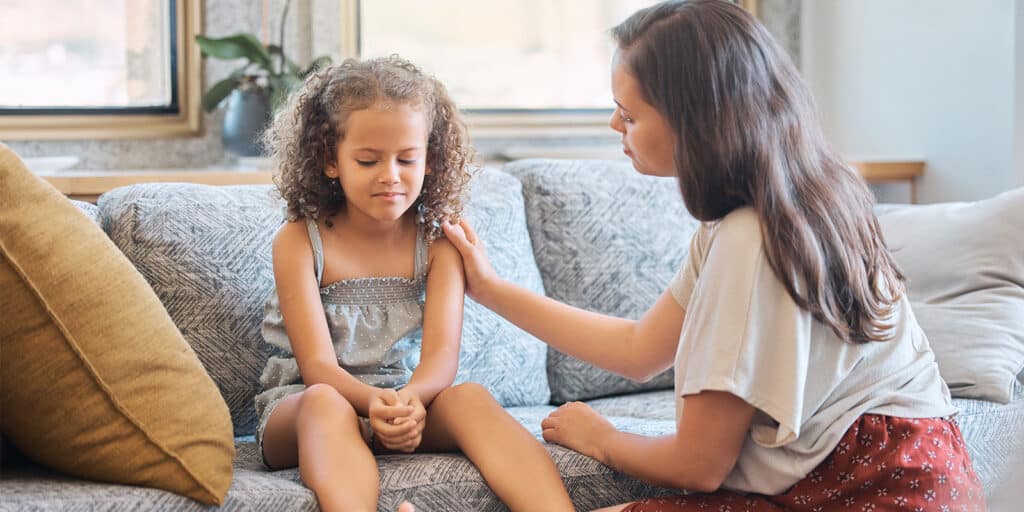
406, 162
366, 163
625, 118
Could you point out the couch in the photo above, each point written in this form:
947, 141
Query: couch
591, 233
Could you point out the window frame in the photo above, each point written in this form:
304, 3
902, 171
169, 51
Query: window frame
508, 122
184, 120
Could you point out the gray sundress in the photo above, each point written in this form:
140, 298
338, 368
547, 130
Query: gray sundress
376, 326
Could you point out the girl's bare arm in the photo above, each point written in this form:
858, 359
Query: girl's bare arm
442, 324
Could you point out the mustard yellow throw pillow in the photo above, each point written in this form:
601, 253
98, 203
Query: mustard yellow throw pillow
95, 379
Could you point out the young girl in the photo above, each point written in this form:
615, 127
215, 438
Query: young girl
370, 158
803, 381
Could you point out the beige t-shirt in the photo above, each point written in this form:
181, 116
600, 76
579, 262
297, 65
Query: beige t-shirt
743, 334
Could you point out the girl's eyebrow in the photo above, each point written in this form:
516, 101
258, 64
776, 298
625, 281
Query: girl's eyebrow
620, 105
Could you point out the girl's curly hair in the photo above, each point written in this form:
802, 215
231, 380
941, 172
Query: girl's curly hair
304, 137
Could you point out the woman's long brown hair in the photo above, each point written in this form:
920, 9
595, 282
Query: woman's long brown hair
747, 134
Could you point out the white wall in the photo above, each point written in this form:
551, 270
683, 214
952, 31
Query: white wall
928, 79
1018, 143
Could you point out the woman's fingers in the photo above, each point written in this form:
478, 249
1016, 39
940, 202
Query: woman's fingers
461, 235
468, 229
549, 426
457, 236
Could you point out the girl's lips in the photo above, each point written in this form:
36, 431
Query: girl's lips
389, 197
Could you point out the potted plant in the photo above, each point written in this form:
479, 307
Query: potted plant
254, 90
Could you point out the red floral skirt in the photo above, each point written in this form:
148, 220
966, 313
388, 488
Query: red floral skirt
882, 463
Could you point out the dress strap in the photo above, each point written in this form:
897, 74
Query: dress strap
421, 252
318, 249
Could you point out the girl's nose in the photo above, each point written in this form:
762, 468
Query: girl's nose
390, 173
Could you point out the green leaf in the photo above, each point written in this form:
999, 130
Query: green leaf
238, 46
275, 51
219, 91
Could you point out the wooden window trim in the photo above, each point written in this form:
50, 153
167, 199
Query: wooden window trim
185, 122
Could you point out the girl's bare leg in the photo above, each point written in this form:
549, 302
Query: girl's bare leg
318, 430
515, 465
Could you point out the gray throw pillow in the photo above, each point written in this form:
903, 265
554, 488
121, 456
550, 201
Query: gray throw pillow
964, 264
206, 253
89, 209
606, 239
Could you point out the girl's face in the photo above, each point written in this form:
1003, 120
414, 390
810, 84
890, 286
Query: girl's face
647, 138
381, 161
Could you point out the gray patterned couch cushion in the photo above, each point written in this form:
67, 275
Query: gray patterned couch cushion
449, 482
606, 239
432, 482
206, 253
89, 209
995, 435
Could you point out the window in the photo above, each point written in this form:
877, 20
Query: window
523, 67
99, 69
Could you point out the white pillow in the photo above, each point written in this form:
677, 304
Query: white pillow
964, 264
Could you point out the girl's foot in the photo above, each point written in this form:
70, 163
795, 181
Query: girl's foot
406, 507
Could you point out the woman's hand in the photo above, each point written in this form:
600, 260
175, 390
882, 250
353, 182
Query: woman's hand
479, 273
578, 427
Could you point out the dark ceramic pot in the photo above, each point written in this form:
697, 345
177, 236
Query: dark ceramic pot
247, 114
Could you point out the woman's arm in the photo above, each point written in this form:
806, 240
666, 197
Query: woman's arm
299, 297
636, 349
442, 324
698, 457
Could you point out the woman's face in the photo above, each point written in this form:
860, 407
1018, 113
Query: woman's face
647, 138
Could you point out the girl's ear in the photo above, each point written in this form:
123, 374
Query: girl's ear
331, 170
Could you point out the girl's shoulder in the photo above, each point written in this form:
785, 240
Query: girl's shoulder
291, 240
292, 231
443, 252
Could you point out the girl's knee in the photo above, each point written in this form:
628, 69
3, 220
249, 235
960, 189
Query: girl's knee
324, 400
467, 394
